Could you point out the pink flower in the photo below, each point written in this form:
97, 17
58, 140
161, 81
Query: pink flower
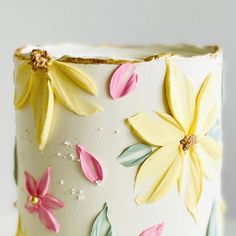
40, 202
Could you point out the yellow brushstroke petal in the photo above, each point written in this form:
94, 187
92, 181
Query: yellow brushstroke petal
161, 172
155, 131
180, 96
209, 153
19, 231
77, 76
70, 94
23, 83
169, 118
206, 106
194, 185
42, 101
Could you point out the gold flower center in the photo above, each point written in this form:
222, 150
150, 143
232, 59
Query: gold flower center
40, 59
34, 200
188, 141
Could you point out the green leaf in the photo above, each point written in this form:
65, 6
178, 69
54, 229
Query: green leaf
215, 131
15, 165
214, 225
102, 225
134, 155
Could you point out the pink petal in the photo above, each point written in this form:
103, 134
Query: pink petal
155, 230
130, 85
30, 208
48, 219
30, 184
44, 182
119, 85
49, 202
90, 166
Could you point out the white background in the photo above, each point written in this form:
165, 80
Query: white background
123, 22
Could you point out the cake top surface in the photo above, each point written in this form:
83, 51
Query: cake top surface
115, 54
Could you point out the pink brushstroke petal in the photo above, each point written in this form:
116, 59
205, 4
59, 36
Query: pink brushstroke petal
131, 85
30, 208
90, 166
118, 86
48, 219
155, 230
30, 184
44, 182
49, 202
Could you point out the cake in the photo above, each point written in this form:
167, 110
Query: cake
121, 141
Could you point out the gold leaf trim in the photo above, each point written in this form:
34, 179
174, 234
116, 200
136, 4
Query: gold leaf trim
213, 51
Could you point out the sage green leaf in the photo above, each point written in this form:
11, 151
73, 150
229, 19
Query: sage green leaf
214, 225
215, 131
102, 225
134, 155
15, 165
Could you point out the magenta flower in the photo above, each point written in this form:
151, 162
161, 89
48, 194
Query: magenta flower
40, 202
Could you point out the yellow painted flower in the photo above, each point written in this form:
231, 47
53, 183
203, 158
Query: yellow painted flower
184, 152
19, 231
43, 79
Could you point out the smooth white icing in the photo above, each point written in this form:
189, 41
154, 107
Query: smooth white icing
97, 134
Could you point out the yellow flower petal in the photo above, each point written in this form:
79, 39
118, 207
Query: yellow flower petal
160, 172
206, 106
42, 101
209, 153
77, 76
19, 231
180, 96
155, 131
194, 185
23, 83
70, 94
169, 118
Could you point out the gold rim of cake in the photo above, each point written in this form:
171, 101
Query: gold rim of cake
210, 50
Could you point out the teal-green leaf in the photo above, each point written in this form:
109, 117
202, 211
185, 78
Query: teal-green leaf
15, 166
215, 131
214, 225
102, 225
134, 155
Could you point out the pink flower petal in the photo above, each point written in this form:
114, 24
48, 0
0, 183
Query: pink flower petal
119, 85
44, 182
130, 85
30, 208
48, 219
49, 202
90, 166
155, 230
30, 184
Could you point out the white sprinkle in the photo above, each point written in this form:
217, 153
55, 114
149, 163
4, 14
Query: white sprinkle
68, 144
71, 156
58, 154
61, 181
81, 197
72, 191
97, 181
116, 131
81, 191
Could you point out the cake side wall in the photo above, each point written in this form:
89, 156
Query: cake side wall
106, 135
